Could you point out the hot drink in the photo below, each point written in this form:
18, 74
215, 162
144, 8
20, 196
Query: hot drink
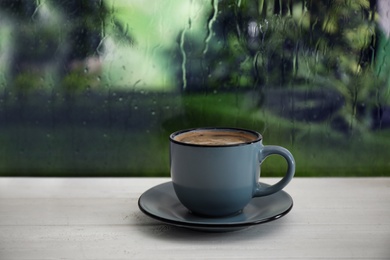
216, 137
215, 171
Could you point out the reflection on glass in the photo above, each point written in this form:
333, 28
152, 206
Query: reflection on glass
93, 88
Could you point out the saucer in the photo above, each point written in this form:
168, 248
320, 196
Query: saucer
161, 203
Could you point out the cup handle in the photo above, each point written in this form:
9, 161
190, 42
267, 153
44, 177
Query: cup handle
263, 154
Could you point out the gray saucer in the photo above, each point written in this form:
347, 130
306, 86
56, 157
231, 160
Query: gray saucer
161, 203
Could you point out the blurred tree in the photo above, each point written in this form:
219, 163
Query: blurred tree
273, 43
59, 39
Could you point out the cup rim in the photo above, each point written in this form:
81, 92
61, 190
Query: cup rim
259, 137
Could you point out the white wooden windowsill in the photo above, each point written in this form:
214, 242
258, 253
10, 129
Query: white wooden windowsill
98, 218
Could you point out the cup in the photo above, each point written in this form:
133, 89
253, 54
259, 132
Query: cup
215, 171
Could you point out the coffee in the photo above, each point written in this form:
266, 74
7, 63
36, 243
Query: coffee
216, 137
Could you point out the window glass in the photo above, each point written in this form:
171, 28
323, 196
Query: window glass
94, 88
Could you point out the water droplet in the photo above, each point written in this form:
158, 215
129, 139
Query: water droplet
253, 29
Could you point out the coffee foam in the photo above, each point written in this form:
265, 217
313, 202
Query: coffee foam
215, 137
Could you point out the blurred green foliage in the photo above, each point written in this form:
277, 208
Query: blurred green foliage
271, 44
93, 88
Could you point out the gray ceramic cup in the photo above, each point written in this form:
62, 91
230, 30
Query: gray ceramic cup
220, 179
